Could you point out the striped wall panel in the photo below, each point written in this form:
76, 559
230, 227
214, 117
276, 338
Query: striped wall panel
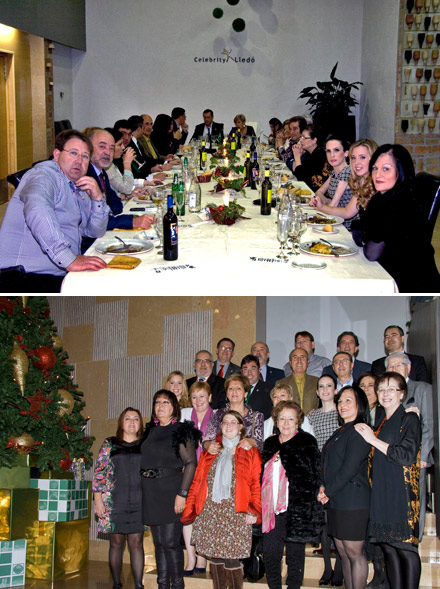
56, 305
79, 311
133, 382
110, 330
183, 335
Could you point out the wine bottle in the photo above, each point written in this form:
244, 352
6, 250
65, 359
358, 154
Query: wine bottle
181, 196
203, 156
175, 187
233, 144
252, 147
208, 141
255, 172
194, 195
247, 168
170, 232
266, 194
238, 139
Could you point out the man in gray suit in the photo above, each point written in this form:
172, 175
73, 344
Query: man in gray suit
304, 386
223, 366
420, 396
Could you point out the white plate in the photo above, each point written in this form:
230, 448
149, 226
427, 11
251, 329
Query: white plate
309, 266
338, 220
146, 202
318, 229
345, 250
144, 246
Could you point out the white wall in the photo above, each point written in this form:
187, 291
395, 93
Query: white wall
327, 317
378, 67
140, 57
62, 81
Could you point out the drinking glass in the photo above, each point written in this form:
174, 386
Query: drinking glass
158, 227
180, 201
303, 226
282, 232
293, 230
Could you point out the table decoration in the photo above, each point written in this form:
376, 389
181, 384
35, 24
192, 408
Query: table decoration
226, 215
236, 184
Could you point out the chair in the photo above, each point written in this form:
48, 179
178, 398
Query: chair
15, 178
428, 195
62, 126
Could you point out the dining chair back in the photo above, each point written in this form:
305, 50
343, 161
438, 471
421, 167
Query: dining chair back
15, 178
428, 195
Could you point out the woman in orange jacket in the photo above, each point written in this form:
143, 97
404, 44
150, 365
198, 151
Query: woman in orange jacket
224, 501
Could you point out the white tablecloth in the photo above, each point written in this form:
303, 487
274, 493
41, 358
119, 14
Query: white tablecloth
239, 259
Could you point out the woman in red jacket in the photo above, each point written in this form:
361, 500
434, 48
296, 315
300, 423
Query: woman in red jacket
224, 501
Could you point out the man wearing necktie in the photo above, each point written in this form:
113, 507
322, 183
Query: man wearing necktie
258, 396
203, 364
223, 367
208, 126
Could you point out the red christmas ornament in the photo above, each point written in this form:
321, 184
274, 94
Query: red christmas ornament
66, 463
7, 305
37, 400
47, 358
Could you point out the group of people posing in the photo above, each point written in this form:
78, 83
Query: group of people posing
285, 455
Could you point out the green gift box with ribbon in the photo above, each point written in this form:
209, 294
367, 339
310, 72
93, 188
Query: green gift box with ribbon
18, 513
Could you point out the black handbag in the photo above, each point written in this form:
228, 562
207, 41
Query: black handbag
253, 567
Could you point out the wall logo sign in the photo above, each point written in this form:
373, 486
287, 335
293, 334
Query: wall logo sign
225, 56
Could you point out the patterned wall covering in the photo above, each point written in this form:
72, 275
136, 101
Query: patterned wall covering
122, 349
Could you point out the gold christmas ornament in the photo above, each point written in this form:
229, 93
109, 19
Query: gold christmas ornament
24, 301
66, 399
23, 443
57, 341
21, 366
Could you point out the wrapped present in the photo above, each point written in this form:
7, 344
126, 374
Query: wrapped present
62, 500
61, 548
12, 563
16, 477
56, 474
18, 513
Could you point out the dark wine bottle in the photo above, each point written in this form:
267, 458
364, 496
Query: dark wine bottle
255, 172
170, 232
247, 168
266, 194
233, 144
203, 156
253, 147
238, 139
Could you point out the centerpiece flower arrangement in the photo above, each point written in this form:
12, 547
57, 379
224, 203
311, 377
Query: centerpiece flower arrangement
226, 215
224, 171
229, 183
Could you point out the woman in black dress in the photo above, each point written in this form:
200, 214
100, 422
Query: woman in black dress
395, 502
117, 495
167, 467
345, 486
162, 135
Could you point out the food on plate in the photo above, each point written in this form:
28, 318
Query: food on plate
305, 192
320, 248
124, 262
328, 228
317, 220
130, 249
284, 177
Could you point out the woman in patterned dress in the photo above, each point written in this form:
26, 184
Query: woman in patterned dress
224, 501
118, 497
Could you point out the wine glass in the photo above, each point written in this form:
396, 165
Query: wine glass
293, 230
282, 232
180, 201
158, 227
303, 227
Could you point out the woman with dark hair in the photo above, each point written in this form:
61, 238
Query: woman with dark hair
335, 191
395, 501
368, 383
117, 495
309, 161
167, 469
162, 135
394, 226
345, 487
275, 126
224, 501
292, 515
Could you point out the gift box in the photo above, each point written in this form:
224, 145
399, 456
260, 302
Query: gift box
16, 477
61, 500
12, 563
18, 513
59, 549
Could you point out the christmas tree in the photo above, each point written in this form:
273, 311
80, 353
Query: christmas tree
40, 405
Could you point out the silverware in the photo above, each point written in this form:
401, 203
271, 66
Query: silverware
330, 245
121, 240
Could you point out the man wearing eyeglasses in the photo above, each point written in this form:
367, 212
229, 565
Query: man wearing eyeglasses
349, 342
203, 365
223, 367
343, 368
394, 341
54, 205
420, 396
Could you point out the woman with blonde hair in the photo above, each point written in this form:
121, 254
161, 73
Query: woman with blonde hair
360, 181
240, 125
176, 383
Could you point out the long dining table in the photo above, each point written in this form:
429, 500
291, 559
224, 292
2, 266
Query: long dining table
230, 260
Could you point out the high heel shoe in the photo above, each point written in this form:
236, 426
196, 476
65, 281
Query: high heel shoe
336, 582
190, 572
324, 582
200, 570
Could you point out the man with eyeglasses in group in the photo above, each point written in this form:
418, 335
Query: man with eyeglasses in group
223, 367
54, 206
343, 368
349, 342
203, 365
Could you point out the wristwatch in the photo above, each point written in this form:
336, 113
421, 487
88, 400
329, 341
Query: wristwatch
182, 493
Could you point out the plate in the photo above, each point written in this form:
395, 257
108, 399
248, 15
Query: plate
140, 246
343, 250
326, 220
143, 200
309, 265
318, 229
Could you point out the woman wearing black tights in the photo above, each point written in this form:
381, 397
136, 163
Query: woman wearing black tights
395, 505
117, 495
167, 467
346, 490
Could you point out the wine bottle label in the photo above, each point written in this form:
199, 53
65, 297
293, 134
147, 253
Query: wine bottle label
232, 145
204, 156
173, 233
269, 196
192, 199
255, 173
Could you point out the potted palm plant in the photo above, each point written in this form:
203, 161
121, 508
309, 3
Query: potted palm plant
331, 103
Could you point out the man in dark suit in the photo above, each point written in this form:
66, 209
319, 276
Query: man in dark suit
258, 396
269, 374
304, 386
349, 342
208, 126
203, 368
394, 341
419, 395
223, 367
103, 149
180, 126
